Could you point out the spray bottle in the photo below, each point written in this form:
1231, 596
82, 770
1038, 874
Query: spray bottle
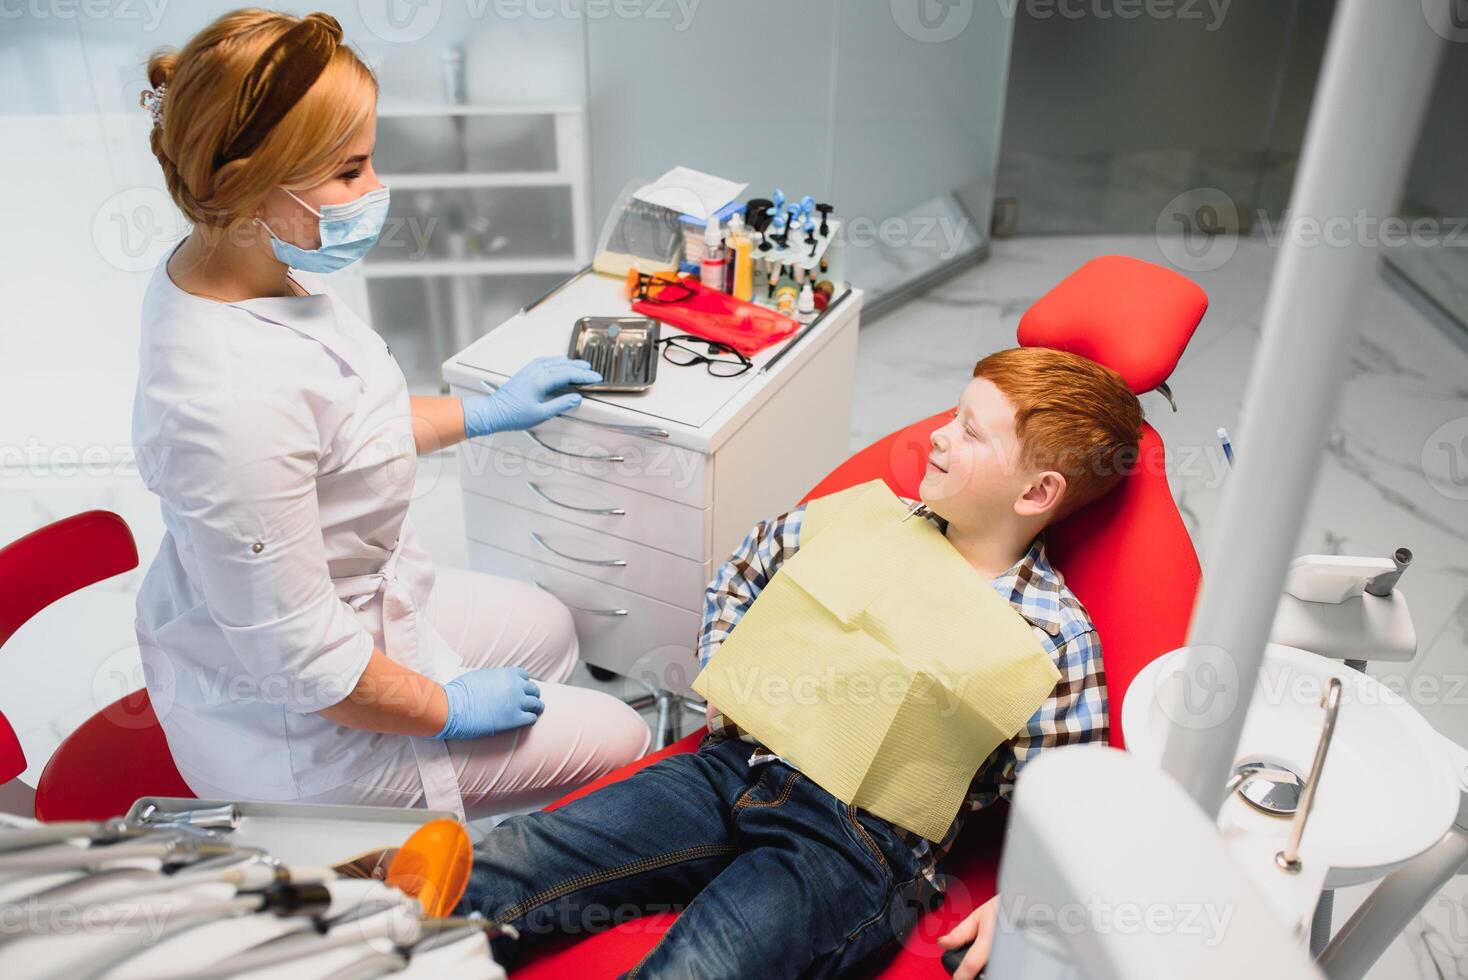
711, 274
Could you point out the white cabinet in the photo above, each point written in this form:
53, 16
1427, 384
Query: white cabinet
626, 506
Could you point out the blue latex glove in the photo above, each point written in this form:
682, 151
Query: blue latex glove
490, 700
527, 400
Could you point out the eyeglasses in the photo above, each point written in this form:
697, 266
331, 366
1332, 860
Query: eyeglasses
663, 287
719, 359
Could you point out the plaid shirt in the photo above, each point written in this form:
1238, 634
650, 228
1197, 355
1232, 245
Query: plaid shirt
1075, 712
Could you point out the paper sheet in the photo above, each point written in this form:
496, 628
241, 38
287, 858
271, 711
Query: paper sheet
690, 192
880, 663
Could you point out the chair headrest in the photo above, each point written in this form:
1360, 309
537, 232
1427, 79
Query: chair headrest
1133, 316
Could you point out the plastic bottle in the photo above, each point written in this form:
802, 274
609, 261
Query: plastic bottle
805, 308
742, 260
712, 272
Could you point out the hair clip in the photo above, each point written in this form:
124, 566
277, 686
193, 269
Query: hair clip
152, 100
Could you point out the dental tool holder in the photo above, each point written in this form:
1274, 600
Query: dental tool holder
1328, 608
214, 905
798, 254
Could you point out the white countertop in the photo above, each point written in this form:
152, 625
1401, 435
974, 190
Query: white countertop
696, 409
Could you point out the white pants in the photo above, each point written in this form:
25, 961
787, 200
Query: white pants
582, 735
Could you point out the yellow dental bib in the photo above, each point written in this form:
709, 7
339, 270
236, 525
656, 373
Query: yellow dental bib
880, 663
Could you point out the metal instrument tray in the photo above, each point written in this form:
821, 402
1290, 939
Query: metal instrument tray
622, 349
297, 833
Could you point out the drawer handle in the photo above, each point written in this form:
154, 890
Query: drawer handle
599, 457
605, 511
583, 609
634, 430
604, 562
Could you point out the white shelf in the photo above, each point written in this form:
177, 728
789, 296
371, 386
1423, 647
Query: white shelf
472, 267
414, 109
452, 181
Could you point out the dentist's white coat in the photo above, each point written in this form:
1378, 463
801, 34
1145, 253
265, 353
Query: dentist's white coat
277, 432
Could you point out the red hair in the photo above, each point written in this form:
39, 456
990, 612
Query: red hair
1071, 415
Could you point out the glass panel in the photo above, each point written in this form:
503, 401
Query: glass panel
429, 225
916, 123
1431, 247
413, 142
1110, 117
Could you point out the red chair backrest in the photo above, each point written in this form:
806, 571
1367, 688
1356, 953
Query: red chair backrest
59, 559
1126, 556
43, 566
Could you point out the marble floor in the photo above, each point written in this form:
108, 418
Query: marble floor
1382, 485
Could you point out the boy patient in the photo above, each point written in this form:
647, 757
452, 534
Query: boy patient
771, 875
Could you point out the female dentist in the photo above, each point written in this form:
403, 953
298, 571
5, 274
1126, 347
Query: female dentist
297, 642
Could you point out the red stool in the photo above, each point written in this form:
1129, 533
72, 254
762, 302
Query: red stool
119, 754
1127, 557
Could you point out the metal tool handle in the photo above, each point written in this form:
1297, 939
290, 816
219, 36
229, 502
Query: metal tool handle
223, 817
600, 458
1289, 858
604, 511
583, 609
603, 562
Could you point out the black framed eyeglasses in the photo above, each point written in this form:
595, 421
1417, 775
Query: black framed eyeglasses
719, 359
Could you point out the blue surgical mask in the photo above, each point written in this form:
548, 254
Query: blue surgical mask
348, 231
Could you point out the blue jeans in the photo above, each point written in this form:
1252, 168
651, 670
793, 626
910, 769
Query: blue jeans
772, 876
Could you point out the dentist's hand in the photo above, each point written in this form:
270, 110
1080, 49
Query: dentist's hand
490, 700
528, 398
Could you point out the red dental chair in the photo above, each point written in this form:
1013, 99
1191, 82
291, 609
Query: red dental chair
1127, 557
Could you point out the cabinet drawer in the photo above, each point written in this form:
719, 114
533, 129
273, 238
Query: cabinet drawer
593, 554
630, 634
619, 511
651, 466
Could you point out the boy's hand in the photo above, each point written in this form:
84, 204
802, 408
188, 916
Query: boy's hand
977, 929
708, 713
